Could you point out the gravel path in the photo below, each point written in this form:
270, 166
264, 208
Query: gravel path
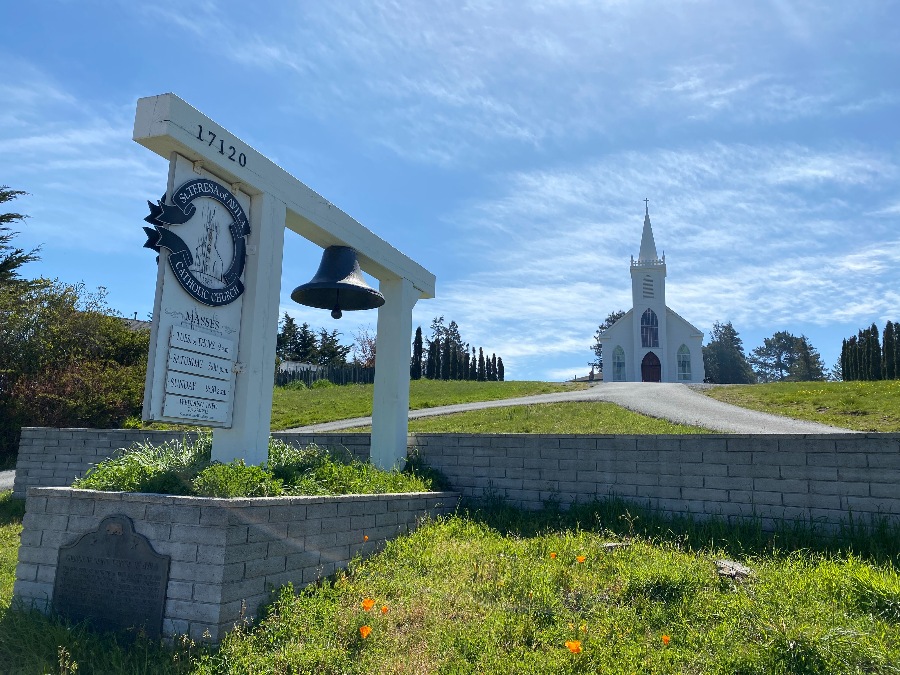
674, 402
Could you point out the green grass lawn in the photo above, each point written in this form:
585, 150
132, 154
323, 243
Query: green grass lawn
301, 407
501, 591
583, 417
862, 406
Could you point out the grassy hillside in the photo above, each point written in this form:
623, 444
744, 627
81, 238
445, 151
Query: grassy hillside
300, 407
862, 406
583, 417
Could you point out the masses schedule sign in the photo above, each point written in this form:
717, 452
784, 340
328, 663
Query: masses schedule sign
199, 229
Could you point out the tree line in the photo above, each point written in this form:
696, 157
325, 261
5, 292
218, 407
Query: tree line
305, 345
447, 357
864, 357
66, 358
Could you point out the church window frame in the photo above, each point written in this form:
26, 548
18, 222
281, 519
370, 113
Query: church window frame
648, 287
618, 364
683, 360
649, 329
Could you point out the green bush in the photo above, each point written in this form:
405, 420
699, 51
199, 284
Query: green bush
322, 384
166, 469
236, 480
183, 468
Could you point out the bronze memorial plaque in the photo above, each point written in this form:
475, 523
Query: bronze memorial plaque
113, 578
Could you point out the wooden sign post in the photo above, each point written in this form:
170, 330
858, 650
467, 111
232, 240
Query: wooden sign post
219, 232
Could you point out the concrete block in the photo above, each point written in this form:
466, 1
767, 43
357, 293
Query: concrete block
262, 567
246, 552
43, 555
834, 459
287, 513
26, 571
180, 590
181, 551
321, 510
811, 500
192, 611
728, 483
363, 522
784, 485
286, 546
302, 559
267, 532
839, 488
249, 588
761, 498
197, 534
804, 472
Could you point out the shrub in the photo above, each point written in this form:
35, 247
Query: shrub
182, 467
167, 469
236, 480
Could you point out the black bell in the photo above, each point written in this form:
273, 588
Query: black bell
338, 284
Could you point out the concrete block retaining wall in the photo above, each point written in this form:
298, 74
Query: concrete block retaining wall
226, 554
820, 477
56, 457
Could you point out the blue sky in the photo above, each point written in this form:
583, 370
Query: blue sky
506, 146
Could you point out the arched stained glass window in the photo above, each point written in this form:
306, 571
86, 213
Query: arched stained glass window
649, 329
684, 363
618, 362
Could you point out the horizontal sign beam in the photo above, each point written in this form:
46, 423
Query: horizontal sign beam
167, 124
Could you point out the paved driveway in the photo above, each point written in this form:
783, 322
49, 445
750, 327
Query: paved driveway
674, 402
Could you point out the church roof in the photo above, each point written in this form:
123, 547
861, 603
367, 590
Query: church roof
648, 245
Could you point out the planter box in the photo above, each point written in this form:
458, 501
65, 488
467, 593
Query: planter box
227, 555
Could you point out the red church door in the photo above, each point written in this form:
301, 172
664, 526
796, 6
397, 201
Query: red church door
651, 369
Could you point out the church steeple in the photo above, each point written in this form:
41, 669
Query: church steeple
648, 245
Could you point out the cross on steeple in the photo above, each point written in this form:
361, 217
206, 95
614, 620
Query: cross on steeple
647, 206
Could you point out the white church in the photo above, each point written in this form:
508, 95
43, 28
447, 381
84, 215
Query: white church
651, 343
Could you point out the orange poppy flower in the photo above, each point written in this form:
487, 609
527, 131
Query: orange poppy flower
574, 646
365, 537
553, 555
364, 631
368, 603
666, 639
581, 558
384, 609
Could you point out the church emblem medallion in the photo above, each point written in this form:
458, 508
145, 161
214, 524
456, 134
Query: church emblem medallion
207, 266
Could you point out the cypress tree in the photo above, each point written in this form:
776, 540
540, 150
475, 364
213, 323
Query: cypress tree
454, 365
853, 358
445, 359
896, 350
875, 353
501, 371
429, 363
844, 359
415, 365
494, 367
889, 358
465, 365
473, 366
482, 376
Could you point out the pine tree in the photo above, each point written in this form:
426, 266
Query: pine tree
723, 358
11, 257
306, 349
286, 340
808, 364
415, 364
331, 352
482, 375
501, 371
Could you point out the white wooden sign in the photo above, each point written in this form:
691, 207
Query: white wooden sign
199, 229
